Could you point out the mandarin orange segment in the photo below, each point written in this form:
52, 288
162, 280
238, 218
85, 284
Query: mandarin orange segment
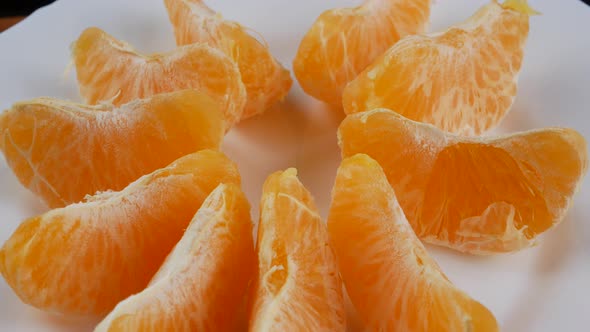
202, 284
112, 70
462, 80
479, 195
298, 287
392, 281
266, 81
344, 41
63, 151
85, 258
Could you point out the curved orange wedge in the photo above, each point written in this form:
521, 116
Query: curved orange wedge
344, 41
479, 195
112, 70
298, 286
462, 80
266, 81
63, 151
202, 284
85, 258
391, 280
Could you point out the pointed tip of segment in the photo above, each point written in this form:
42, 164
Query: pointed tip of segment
520, 6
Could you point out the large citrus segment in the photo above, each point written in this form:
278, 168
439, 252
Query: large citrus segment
85, 258
461, 80
202, 284
344, 41
391, 280
479, 195
298, 286
112, 70
63, 151
266, 81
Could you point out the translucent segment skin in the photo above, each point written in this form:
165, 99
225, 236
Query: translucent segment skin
202, 284
462, 80
298, 287
478, 195
342, 42
63, 151
84, 258
111, 70
391, 280
265, 79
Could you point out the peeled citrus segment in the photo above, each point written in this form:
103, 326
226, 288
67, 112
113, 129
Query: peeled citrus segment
63, 151
462, 80
298, 286
202, 284
266, 81
391, 280
111, 70
478, 195
344, 41
85, 258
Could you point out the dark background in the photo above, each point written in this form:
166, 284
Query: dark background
20, 7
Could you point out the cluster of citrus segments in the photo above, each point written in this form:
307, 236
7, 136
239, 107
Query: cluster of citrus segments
342, 42
150, 230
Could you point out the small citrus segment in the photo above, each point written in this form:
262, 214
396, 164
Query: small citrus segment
202, 284
112, 70
462, 80
63, 151
298, 287
85, 258
479, 195
344, 41
266, 81
391, 280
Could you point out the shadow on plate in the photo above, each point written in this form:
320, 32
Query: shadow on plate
520, 118
65, 324
556, 249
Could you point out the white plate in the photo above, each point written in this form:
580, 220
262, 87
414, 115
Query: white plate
541, 289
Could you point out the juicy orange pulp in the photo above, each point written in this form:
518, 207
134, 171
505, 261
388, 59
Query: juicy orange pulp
85, 258
298, 287
112, 70
265, 80
202, 284
479, 195
344, 41
461, 80
63, 151
391, 280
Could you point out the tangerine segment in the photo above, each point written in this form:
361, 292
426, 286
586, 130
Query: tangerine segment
344, 41
479, 195
110, 69
266, 81
298, 287
85, 258
462, 80
62, 151
202, 284
391, 280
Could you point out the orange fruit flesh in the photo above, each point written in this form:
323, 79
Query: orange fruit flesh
85, 258
344, 41
202, 283
298, 287
478, 195
265, 80
461, 80
63, 151
111, 70
391, 280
